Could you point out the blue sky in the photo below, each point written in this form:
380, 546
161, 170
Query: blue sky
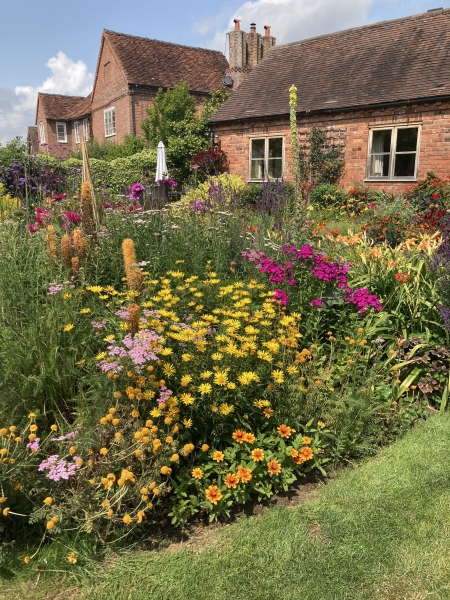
53, 46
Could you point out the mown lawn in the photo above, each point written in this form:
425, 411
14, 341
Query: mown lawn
380, 531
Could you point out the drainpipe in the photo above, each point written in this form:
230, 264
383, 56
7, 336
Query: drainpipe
133, 117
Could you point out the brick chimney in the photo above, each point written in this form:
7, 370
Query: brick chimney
247, 50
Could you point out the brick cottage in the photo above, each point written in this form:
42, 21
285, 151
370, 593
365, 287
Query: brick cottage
130, 70
381, 92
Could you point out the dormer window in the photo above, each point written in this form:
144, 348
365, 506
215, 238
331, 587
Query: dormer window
61, 132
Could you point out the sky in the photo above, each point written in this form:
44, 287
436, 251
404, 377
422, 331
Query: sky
52, 46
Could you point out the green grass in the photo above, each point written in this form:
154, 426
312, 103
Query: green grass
379, 531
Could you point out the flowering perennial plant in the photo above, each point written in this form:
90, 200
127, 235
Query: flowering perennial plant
323, 269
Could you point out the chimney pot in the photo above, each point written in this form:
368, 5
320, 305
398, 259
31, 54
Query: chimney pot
252, 27
237, 24
267, 30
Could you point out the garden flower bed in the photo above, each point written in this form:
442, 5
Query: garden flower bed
187, 359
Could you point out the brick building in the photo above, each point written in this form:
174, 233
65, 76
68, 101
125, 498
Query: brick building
381, 92
130, 70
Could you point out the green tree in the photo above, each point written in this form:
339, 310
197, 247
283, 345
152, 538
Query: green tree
169, 107
173, 119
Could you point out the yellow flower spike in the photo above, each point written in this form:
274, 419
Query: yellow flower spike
48, 501
27, 560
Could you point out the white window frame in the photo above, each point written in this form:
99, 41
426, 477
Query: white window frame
42, 132
86, 129
76, 130
392, 152
266, 138
58, 139
110, 110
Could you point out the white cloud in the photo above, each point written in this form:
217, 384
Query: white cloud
18, 106
293, 20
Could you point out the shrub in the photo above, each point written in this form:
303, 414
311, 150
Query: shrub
431, 192
108, 150
389, 221
230, 188
113, 175
327, 194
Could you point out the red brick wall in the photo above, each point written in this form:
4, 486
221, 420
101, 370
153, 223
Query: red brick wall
52, 146
110, 90
434, 151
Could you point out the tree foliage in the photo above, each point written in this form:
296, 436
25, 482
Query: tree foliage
173, 119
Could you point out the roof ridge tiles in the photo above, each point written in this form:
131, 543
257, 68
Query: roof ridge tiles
429, 14
139, 37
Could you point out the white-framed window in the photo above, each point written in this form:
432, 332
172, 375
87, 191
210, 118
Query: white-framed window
393, 152
266, 158
110, 122
76, 129
61, 132
86, 129
42, 133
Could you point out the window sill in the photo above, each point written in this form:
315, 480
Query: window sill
110, 135
265, 180
387, 180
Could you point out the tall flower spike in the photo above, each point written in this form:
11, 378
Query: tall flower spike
132, 271
298, 221
52, 248
86, 207
133, 318
80, 243
75, 265
66, 251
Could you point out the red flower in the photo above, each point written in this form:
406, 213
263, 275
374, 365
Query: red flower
402, 277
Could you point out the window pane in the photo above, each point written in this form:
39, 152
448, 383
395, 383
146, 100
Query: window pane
405, 165
407, 139
61, 132
258, 148
275, 168
275, 147
379, 165
381, 140
257, 169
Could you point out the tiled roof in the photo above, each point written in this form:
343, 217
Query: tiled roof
163, 64
392, 61
64, 108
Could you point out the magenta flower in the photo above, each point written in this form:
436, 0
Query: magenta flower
363, 299
71, 217
281, 296
137, 191
318, 303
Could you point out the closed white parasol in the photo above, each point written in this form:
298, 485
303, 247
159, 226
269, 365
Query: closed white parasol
161, 166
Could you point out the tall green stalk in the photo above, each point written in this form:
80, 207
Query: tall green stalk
299, 216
